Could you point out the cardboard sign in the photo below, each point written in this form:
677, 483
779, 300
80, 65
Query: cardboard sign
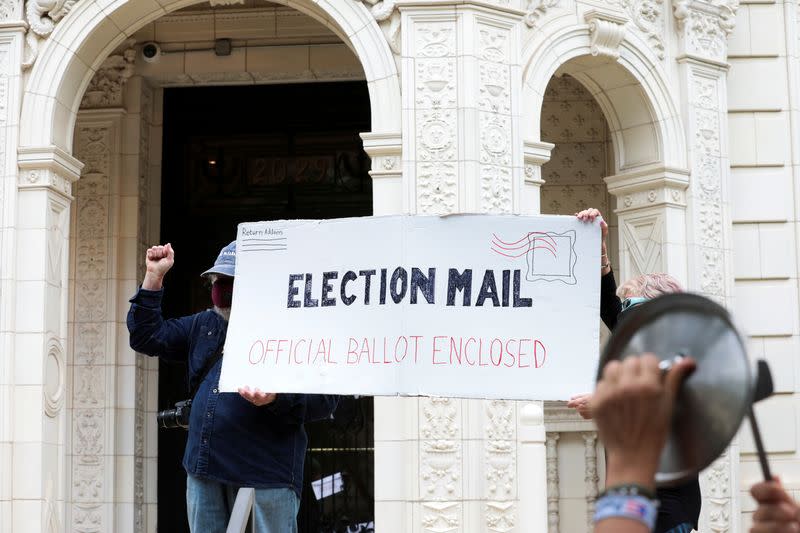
471, 306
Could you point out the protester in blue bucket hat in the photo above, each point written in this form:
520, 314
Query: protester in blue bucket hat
251, 439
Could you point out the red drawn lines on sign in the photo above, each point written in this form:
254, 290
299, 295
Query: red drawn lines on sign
513, 250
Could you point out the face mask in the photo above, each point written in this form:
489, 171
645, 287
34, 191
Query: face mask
630, 303
222, 293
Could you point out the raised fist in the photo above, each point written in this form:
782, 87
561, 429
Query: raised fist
159, 259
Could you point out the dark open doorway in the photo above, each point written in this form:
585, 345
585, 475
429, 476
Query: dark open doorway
237, 154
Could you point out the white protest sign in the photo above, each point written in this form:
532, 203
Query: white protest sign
472, 306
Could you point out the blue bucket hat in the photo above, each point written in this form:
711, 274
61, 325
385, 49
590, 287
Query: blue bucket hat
225, 263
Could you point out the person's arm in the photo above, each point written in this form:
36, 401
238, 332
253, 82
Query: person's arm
610, 304
777, 512
632, 406
149, 332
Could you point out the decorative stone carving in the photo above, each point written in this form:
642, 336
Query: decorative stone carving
45, 179
437, 121
87, 518
42, 17
552, 482
55, 372
500, 435
107, 85
591, 478
606, 32
537, 9
705, 26
441, 517
8, 9
440, 463
647, 16
388, 18
494, 120
441, 470
93, 145
385, 150
500, 517
707, 187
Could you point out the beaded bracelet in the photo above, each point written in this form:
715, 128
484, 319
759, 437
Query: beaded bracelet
628, 489
639, 508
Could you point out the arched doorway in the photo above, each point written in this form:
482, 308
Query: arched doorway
108, 441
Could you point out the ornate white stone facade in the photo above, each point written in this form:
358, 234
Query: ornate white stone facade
681, 119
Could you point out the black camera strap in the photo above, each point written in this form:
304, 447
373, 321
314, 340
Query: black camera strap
210, 362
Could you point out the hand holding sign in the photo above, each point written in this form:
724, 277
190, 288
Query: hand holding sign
256, 397
466, 306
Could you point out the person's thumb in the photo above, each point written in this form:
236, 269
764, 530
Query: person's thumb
170, 251
677, 374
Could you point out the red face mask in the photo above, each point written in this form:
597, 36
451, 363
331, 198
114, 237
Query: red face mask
222, 292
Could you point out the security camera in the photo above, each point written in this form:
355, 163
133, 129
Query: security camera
151, 52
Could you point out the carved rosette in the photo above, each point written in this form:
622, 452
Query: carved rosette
93, 145
494, 119
435, 82
704, 26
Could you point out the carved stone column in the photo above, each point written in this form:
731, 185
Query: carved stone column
107, 458
12, 33
462, 152
591, 478
703, 29
552, 483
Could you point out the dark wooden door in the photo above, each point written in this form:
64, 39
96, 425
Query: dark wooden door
242, 154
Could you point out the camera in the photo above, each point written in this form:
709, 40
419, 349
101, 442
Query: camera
177, 417
151, 52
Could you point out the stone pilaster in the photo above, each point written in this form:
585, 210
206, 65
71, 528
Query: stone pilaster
651, 214
389, 192
12, 33
462, 152
703, 29
44, 197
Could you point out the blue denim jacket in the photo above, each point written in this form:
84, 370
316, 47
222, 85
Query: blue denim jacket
230, 439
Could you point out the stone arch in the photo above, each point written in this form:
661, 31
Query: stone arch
92, 30
644, 119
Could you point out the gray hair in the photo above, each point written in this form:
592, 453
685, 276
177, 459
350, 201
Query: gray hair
649, 286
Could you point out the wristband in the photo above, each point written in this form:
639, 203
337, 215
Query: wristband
638, 508
628, 489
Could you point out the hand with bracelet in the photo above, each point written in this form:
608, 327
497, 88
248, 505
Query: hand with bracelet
633, 405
